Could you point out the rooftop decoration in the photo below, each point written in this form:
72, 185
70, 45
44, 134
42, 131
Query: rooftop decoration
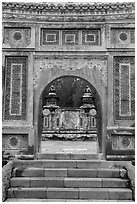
68, 7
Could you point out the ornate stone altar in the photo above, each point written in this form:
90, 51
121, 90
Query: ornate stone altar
69, 123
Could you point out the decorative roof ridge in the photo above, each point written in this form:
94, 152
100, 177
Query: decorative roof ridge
68, 7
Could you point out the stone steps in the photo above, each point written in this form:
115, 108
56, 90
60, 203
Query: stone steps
78, 164
49, 179
68, 172
68, 182
71, 193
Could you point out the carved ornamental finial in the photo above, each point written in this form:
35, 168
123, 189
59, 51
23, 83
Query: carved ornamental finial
87, 89
52, 89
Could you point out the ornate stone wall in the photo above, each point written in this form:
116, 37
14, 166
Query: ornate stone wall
93, 41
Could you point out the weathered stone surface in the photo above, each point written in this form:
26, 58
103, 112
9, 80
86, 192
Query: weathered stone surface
123, 173
95, 193
108, 173
62, 193
93, 164
82, 182
46, 163
82, 173
54, 156
114, 183
120, 194
20, 182
28, 193
55, 172
33, 172
131, 175
64, 156
47, 182
6, 175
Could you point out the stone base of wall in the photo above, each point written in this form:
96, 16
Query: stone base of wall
120, 144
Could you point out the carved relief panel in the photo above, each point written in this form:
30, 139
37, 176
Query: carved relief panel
123, 142
14, 141
124, 88
15, 103
70, 38
17, 37
123, 37
70, 121
96, 64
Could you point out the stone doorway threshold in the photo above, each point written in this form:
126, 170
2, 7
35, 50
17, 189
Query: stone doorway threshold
71, 147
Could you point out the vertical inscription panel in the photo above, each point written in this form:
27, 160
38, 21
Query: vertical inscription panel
16, 88
124, 88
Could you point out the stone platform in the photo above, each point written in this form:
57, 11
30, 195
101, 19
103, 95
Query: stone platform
74, 147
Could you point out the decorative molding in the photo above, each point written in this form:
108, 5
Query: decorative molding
61, 57
69, 7
59, 18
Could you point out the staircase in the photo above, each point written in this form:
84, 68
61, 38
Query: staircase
65, 177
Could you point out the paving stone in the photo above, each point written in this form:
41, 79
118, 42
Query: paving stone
20, 182
95, 193
86, 173
82, 182
108, 173
63, 193
55, 172
120, 194
40, 193
114, 183
47, 182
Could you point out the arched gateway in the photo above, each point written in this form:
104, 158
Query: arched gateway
44, 43
70, 84
70, 110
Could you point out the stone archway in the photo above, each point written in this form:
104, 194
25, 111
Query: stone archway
45, 72
70, 90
